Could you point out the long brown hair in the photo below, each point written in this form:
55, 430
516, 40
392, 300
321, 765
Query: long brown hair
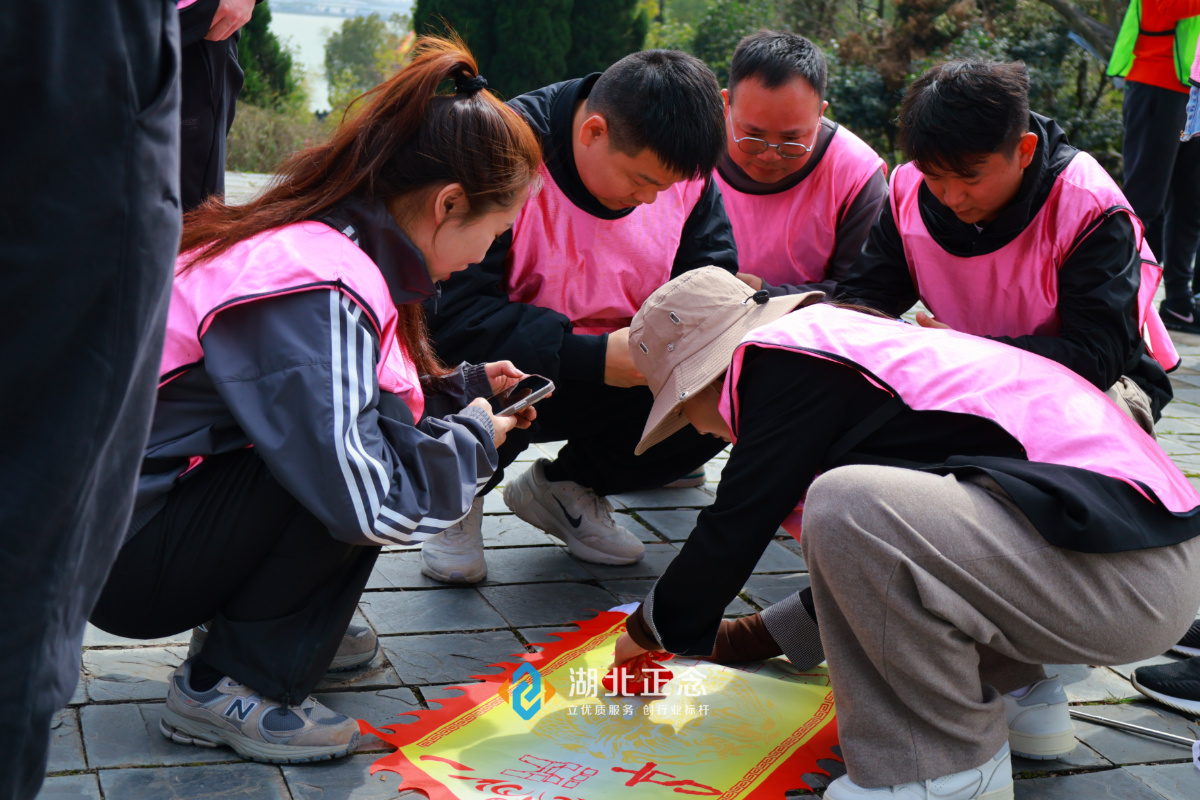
409, 139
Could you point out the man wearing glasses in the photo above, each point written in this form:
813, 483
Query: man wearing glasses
801, 191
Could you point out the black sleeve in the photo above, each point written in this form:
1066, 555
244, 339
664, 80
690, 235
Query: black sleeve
452, 393
1097, 304
473, 320
794, 408
880, 278
707, 238
196, 20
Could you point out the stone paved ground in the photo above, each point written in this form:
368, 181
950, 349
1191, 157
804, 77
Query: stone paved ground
106, 743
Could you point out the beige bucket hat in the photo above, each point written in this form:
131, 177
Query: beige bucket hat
685, 334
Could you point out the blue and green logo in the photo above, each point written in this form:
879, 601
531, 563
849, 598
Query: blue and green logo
526, 692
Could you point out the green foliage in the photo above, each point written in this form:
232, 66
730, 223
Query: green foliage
271, 81
525, 44
362, 54
261, 138
673, 24
604, 32
726, 22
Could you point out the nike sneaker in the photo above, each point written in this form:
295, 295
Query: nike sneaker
1181, 317
573, 513
456, 554
1175, 685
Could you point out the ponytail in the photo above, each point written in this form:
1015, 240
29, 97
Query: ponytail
431, 124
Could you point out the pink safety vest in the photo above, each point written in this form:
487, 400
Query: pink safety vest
1057, 416
305, 256
1014, 290
789, 237
596, 272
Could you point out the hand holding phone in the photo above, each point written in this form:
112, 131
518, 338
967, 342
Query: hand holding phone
528, 391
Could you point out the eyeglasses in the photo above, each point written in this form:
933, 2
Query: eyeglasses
752, 146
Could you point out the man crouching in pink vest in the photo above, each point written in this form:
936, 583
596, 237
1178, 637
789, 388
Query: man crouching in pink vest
1004, 230
627, 202
801, 191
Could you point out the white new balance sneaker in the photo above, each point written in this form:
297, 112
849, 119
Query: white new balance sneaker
991, 780
573, 513
456, 554
1039, 721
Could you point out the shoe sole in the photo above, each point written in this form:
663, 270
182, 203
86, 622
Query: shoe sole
347, 663
454, 577
1005, 793
182, 730
1042, 747
1183, 650
533, 513
1186, 706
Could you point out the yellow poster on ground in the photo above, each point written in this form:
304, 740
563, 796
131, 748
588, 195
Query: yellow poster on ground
546, 729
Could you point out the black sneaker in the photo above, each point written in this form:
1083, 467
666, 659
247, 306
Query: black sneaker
1189, 645
1180, 316
1176, 685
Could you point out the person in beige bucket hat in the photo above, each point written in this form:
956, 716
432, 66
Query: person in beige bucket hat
685, 334
946, 564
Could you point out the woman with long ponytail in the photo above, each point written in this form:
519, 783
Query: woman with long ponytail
303, 420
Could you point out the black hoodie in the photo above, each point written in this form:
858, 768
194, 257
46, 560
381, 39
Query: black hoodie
1097, 283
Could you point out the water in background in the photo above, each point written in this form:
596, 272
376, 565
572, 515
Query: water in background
305, 36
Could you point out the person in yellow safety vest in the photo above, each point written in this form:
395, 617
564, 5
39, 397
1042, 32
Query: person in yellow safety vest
1153, 53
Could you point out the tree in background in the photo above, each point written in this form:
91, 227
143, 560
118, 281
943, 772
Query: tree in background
362, 53
271, 80
524, 44
726, 22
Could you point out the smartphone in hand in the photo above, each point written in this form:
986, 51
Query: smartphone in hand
528, 391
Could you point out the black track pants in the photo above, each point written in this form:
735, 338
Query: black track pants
89, 227
212, 80
233, 546
601, 425
1162, 181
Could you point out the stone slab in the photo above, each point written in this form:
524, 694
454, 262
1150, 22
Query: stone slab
400, 571
343, 779
66, 743
507, 530
137, 674
127, 735
1083, 757
674, 524
777, 558
654, 562
377, 674
449, 657
94, 637
1121, 747
379, 708
638, 529
1169, 780
79, 696
1092, 684
533, 565
429, 611
70, 787
493, 503
1113, 784
541, 636
634, 591
766, 590
663, 498
244, 781
549, 603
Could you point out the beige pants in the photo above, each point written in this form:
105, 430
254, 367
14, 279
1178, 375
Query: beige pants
1130, 398
936, 595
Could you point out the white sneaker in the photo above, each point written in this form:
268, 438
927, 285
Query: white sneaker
456, 554
573, 513
989, 781
1039, 722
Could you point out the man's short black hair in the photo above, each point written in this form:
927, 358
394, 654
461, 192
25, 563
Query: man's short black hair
777, 57
959, 113
667, 101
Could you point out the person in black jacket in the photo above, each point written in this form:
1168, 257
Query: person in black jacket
956, 540
211, 80
993, 175
627, 202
